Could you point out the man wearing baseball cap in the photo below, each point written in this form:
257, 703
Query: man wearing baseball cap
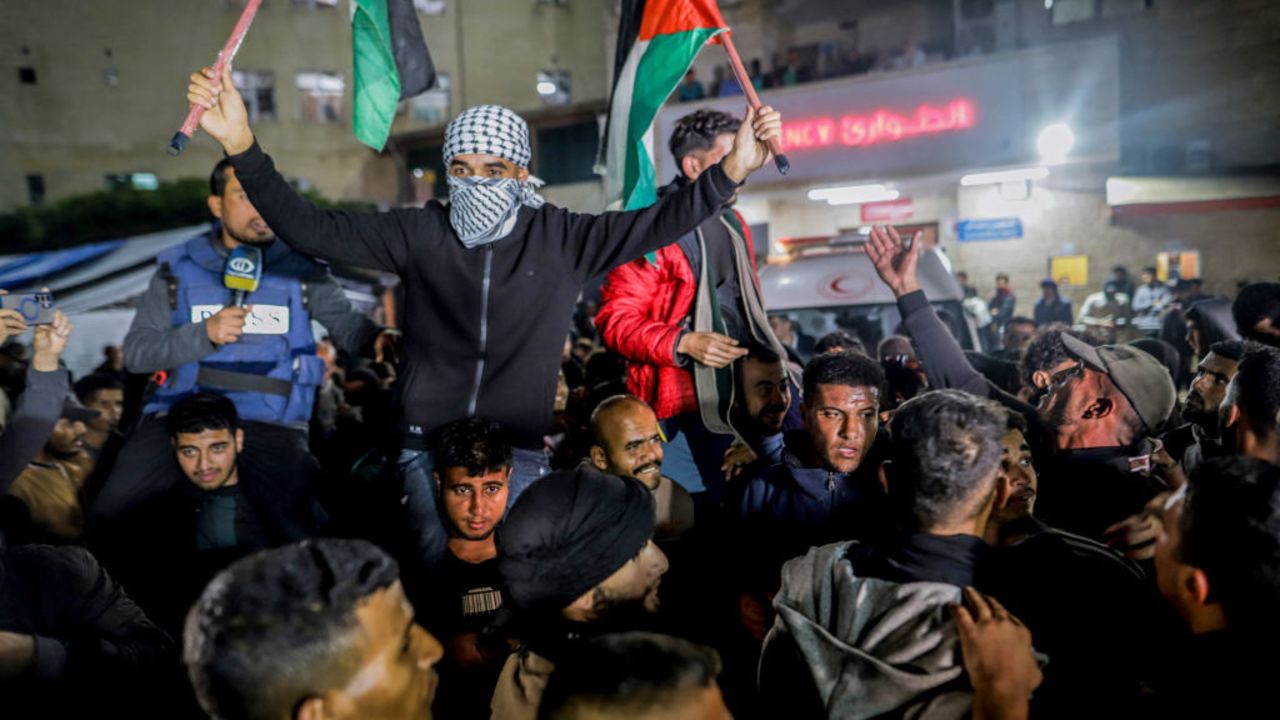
1102, 411
578, 559
43, 504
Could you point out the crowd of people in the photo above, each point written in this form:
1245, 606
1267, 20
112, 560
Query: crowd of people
659, 505
797, 67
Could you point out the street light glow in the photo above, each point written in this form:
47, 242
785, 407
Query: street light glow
1055, 142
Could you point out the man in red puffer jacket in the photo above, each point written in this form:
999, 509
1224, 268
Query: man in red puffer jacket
681, 316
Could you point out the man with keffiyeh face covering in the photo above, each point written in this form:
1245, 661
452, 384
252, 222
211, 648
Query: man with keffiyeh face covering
490, 281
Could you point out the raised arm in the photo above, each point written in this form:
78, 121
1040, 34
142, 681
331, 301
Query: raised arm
943, 358
375, 240
598, 243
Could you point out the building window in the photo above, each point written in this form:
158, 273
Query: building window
554, 88
430, 7
27, 75
258, 88
35, 189
321, 96
132, 181
1063, 12
566, 153
432, 106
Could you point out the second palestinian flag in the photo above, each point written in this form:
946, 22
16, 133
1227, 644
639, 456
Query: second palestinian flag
657, 42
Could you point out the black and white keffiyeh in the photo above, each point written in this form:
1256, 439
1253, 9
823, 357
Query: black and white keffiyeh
482, 210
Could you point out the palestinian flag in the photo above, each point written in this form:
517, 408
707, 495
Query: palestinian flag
657, 42
390, 62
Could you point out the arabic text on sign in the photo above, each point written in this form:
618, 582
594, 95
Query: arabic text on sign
879, 126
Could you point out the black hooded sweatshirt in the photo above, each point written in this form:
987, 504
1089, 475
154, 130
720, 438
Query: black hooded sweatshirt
484, 327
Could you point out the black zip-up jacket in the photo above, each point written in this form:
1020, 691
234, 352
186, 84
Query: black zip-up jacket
483, 327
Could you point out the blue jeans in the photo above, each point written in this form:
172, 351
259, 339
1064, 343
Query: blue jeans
429, 531
693, 455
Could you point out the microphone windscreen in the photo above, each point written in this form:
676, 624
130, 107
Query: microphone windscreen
243, 270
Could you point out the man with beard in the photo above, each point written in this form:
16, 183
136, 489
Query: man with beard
682, 315
1100, 408
628, 442
1250, 413
1200, 437
578, 559
464, 595
44, 502
261, 355
1075, 595
763, 408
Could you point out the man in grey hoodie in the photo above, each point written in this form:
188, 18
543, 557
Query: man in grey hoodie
864, 628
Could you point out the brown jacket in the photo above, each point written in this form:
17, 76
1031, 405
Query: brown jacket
51, 493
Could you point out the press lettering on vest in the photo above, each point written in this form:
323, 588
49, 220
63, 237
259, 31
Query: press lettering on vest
262, 320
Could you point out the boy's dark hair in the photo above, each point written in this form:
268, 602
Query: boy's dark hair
1255, 303
761, 353
278, 626
851, 369
90, 385
1229, 349
944, 448
1257, 392
625, 675
699, 130
200, 412
218, 178
1046, 349
1230, 529
839, 339
479, 445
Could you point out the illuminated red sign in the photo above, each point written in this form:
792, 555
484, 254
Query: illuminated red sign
878, 126
886, 211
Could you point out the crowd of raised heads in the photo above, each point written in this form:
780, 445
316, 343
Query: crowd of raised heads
666, 501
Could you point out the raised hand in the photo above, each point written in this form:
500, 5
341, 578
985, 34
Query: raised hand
49, 343
893, 260
225, 117
11, 322
750, 146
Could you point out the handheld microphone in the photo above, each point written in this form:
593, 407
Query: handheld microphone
243, 272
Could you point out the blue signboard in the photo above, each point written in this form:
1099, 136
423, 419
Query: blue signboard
995, 229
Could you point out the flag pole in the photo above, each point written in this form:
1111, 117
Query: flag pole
735, 62
229, 50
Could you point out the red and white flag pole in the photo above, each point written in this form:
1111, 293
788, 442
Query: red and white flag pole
229, 51
739, 71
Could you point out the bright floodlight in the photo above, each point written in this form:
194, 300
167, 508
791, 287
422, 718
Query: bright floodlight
1055, 142
546, 87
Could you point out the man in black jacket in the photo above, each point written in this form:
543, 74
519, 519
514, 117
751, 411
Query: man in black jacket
478, 342
71, 641
1100, 409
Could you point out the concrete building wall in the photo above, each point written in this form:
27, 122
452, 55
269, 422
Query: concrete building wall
73, 128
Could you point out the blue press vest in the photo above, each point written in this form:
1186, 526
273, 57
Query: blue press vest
197, 269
